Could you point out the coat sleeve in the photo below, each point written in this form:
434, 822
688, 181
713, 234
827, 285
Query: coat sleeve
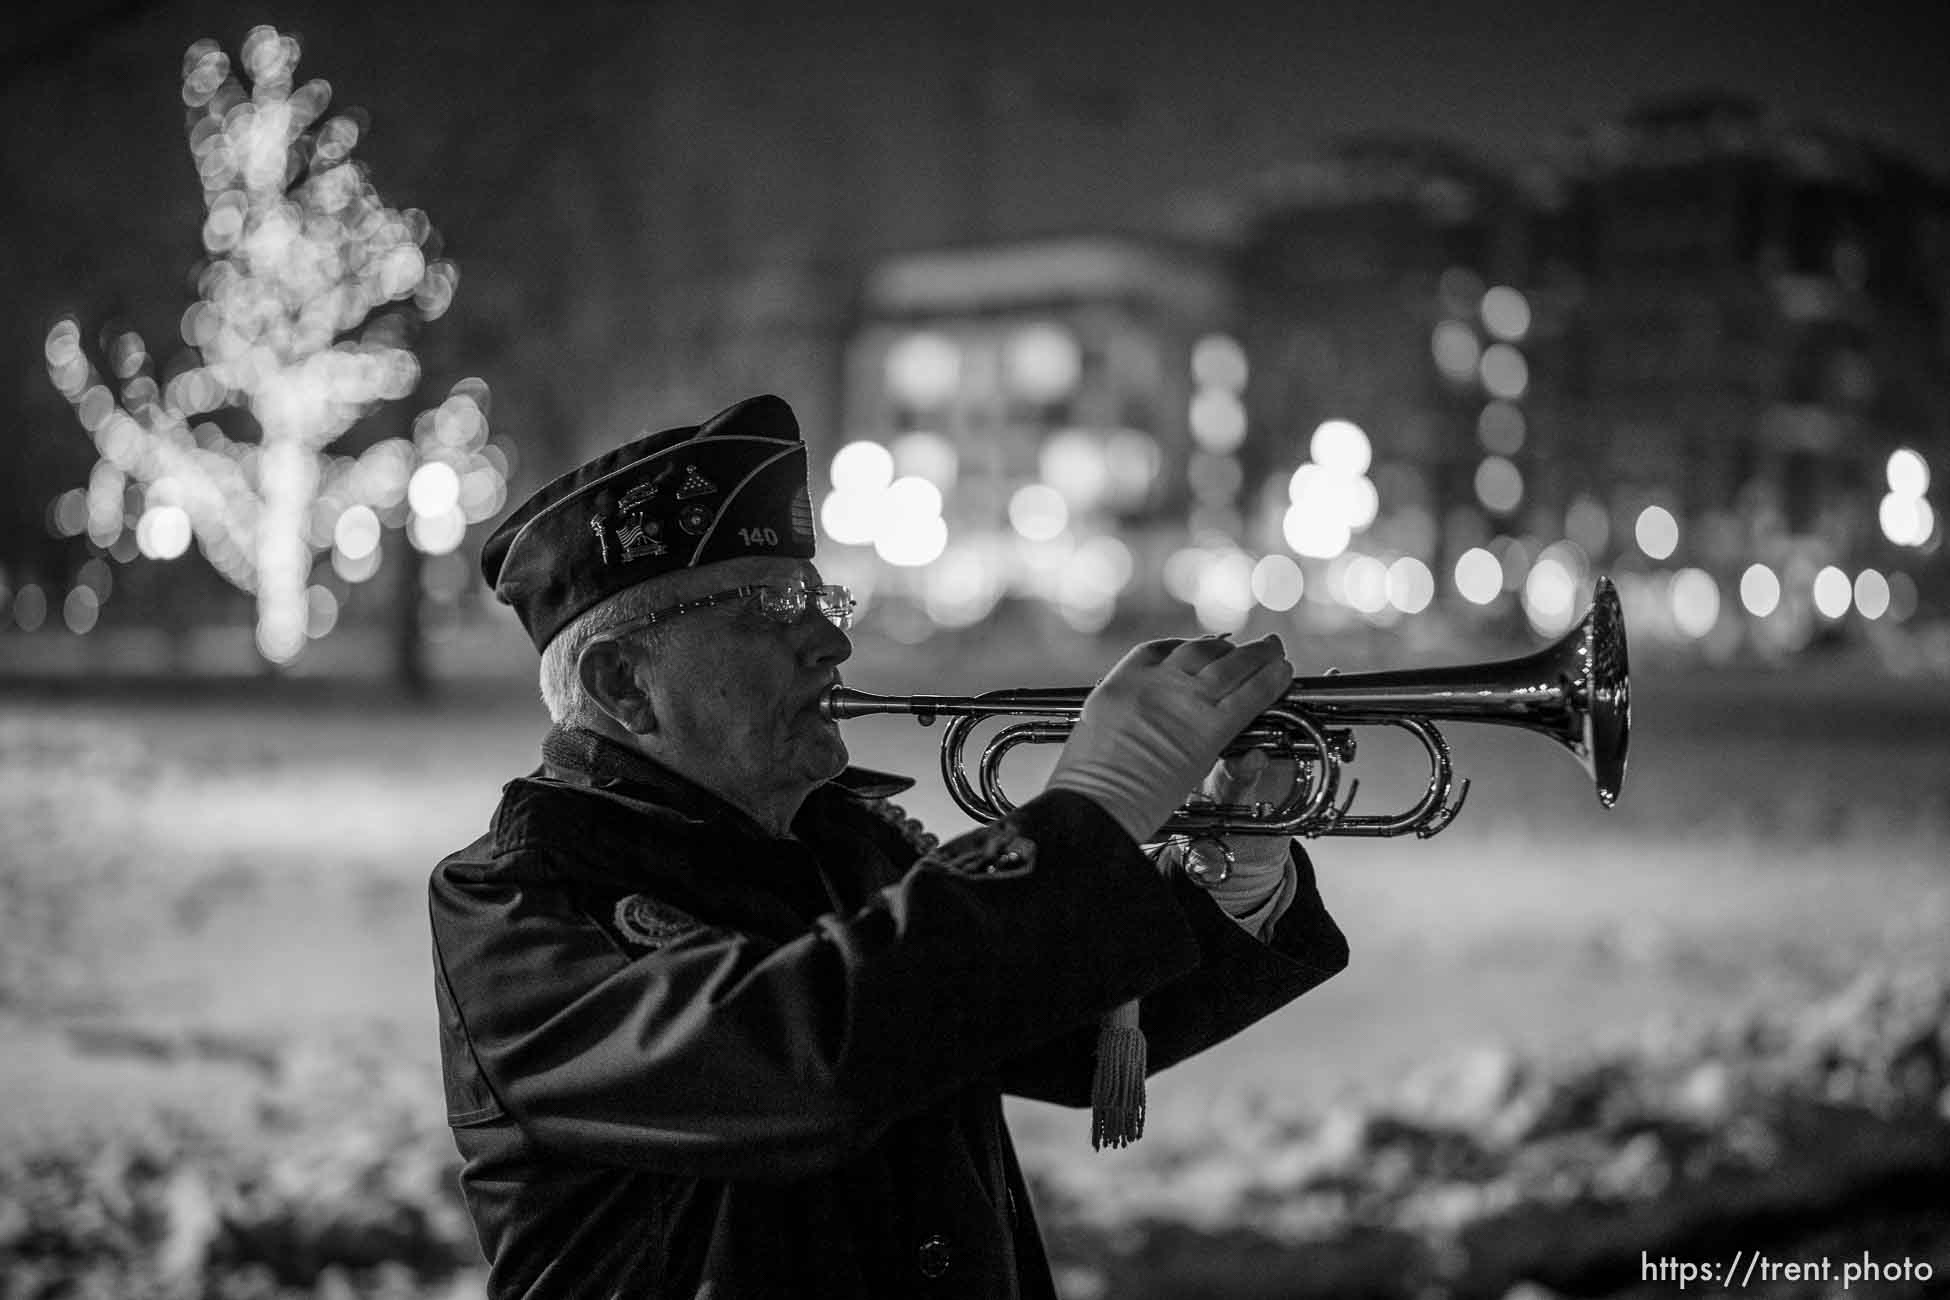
1237, 980
726, 1055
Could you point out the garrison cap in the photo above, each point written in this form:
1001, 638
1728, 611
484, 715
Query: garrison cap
734, 485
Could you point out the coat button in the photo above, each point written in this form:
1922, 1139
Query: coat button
934, 1258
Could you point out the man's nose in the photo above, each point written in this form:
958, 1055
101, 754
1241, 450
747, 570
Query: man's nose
826, 644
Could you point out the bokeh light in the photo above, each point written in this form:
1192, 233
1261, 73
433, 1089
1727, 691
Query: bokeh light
1183, 570
1218, 420
1695, 602
280, 638
1760, 590
434, 489
1074, 462
924, 369
1550, 594
862, 467
68, 515
1043, 362
911, 531
1501, 427
1364, 584
1505, 373
1506, 313
1871, 593
163, 532
1347, 501
850, 518
1903, 597
1088, 585
1656, 532
1218, 361
81, 609
1456, 351
912, 497
1224, 591
30, 607
1833, 593
1342, 447
382, 473
1908, 473
356, 533
1479, 576
438, 534
1411, 587
1038, 512
910, 543
1499, 485
1315, 534
1278, 583
321, 612
1906, 520
357, 569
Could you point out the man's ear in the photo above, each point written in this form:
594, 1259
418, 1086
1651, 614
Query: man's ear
616, 678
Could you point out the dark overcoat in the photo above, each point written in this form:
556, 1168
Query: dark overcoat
685, 1058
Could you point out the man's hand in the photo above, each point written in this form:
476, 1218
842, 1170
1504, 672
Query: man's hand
1155, 725
1251, 777
1243, 872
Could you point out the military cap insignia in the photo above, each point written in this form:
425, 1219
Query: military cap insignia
642, 494
694, 485
648, 923
694, 519
995, 852
637, 537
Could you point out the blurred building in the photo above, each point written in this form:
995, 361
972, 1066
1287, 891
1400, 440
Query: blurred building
1755, 331
1363, 276
1020, 418
1696, 349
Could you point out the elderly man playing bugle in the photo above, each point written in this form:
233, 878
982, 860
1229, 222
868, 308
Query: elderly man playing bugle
717, 1019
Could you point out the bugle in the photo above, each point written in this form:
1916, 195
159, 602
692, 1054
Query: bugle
1576, 691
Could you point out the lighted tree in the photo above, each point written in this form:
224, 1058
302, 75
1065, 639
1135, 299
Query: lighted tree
307, 302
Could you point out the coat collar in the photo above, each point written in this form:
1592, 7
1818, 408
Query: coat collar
667, 832
581, 757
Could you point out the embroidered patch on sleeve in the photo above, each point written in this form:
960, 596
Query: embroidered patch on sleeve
995, 852
650, 924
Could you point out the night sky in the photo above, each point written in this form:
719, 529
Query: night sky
1498, 74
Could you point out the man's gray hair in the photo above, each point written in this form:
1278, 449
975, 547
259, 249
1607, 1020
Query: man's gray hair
561, 679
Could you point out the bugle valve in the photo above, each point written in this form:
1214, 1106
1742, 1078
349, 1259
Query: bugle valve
1577, 691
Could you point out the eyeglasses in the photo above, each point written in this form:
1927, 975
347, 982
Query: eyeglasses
783, 605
